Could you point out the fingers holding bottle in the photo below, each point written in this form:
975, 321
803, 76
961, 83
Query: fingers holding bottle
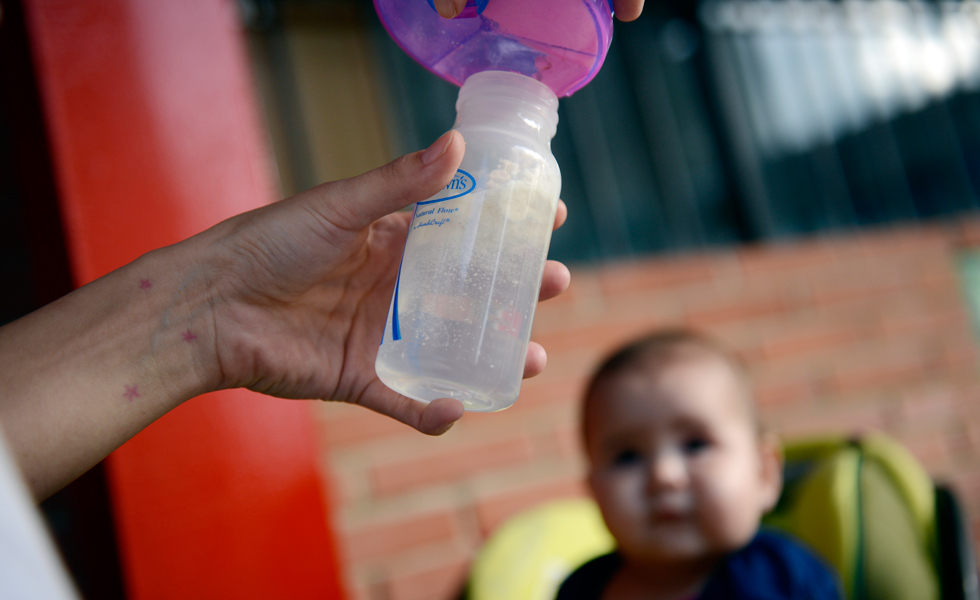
626, 10
449, 8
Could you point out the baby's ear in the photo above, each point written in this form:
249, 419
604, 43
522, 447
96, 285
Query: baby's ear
771, 465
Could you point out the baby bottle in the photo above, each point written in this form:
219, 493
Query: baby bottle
460, 318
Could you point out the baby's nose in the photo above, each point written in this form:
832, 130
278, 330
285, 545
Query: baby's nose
667, 470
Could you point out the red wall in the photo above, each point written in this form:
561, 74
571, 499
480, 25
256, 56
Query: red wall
155, 136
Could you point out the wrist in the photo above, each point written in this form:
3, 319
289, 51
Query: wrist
179, 352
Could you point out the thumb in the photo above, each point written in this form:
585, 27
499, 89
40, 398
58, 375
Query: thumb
357, 202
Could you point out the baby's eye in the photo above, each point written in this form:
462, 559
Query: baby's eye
694, 445
626, 458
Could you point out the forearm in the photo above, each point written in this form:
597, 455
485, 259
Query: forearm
84, 374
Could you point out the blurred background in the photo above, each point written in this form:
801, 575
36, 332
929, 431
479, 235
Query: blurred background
799, 178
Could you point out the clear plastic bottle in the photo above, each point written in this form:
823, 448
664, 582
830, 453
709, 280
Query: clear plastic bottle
461, 313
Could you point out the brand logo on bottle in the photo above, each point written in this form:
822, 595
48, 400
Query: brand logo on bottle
462, 183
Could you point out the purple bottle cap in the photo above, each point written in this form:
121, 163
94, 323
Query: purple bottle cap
561, 43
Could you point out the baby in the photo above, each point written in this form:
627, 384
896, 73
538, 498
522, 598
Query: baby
682, 474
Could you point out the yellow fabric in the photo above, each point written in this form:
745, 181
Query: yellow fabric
911, 480
897, 565
820, 511
530, 555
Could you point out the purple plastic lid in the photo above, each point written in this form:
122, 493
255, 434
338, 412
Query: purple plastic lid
561, 43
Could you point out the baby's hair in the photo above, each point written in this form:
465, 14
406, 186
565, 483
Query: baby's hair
659, 350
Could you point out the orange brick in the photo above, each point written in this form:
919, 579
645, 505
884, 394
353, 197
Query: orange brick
397, 535
967, 486
553, 317
565, 363
768, 259
944, 279
882, 279
534, 423
850, 420
795, 392
357, 425
961, 354
973, 435
495, 509
441, 582
928, 406
360, 592
568, 440
900, 324
534, 393
893, 373
656, 306
808, 341
656, 274
440, 467
735, 312
560, 442
967, 234
959, 444
341, 487
931, 450
849, 293
584, 288
601, 336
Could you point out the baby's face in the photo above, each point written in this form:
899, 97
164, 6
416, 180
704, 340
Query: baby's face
677, 466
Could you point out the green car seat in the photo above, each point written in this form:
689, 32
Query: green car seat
868, 507
864, 504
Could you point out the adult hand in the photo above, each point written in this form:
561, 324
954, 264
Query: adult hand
289, 300
302, 288
626, 10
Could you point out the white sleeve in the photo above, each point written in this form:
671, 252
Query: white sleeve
30, 567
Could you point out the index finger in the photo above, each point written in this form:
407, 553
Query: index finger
561, 213
449, 8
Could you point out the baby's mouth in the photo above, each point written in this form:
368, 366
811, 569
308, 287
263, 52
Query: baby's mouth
668, 516
669, 512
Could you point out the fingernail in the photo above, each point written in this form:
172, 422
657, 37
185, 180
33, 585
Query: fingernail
437, 149
446, 8
445, 429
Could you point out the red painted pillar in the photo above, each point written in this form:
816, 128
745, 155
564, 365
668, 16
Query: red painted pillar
155, 136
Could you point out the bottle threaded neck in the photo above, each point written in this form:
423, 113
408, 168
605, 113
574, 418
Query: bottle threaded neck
503, 97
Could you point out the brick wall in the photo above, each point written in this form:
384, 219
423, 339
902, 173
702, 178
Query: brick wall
844, 334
